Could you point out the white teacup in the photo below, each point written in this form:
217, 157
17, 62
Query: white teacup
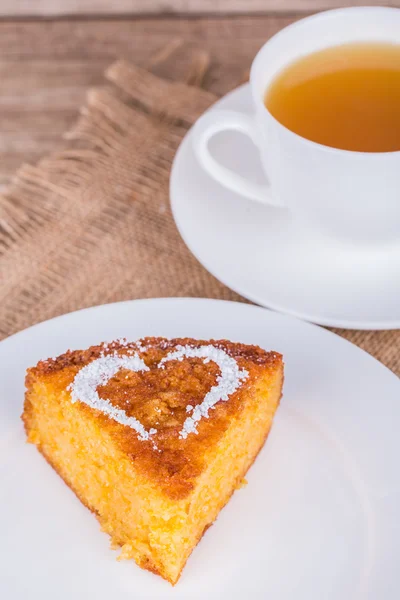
352, 196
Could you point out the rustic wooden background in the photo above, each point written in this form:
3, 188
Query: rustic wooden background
47, 66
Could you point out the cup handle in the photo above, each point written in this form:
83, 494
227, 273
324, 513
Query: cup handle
221, 120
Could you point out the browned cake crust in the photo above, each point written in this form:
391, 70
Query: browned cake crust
158, 398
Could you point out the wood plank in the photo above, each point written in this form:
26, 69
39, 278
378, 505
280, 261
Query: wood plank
230, 38
46, 68
21, 8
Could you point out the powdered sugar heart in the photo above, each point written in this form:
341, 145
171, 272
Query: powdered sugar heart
100, 371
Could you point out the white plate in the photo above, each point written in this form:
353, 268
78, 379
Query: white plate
255, 250
318, 520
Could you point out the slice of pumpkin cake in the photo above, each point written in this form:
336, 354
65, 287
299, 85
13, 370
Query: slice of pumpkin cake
154, 436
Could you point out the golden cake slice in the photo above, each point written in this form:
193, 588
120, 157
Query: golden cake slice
154, 436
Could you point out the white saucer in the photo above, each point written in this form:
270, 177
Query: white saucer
255, 251
319, 518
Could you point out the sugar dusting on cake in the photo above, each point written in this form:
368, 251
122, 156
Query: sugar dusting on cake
100, 371
228, 381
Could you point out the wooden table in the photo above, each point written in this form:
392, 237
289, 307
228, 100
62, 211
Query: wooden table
47, 66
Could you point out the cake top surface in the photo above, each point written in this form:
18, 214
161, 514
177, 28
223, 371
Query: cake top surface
163, 401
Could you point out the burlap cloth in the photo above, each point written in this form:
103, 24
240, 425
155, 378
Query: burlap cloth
92, 224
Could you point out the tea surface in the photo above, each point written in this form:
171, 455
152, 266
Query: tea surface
347, 97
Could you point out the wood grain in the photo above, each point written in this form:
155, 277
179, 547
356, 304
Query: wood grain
46, 68
20, 8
